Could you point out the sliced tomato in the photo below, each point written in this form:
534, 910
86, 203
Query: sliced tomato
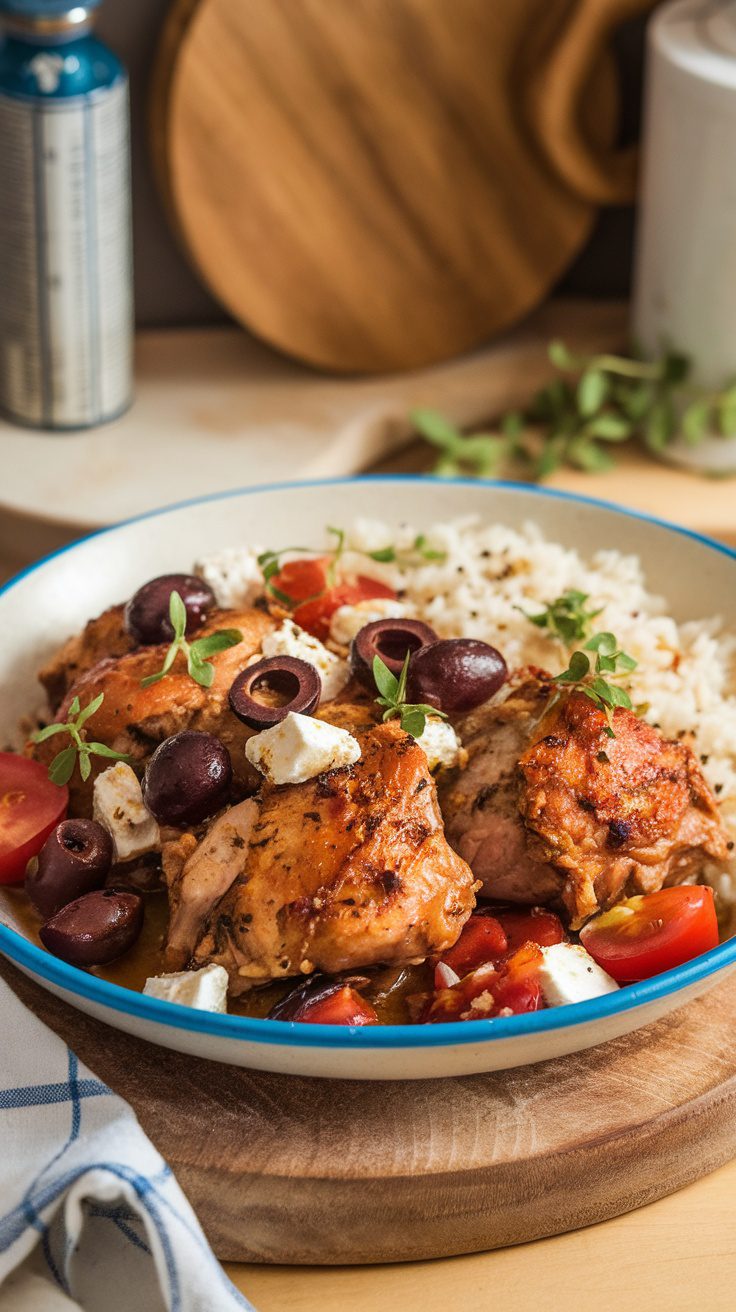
645, 935
482, 939
315, 615
30, 807
303, 578
510, 988
344, 1006
530, 925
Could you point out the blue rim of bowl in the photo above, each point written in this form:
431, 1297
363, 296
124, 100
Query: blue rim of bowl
290, 1034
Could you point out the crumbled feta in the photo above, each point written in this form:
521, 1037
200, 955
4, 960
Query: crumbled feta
290, 640
349, 620
299, 747
440, 743
118, 805
569, 974
233, 574
205, 989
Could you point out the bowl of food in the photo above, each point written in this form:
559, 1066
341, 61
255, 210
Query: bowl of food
372, 778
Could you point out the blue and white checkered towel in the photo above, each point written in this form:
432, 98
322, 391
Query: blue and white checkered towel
88, 1208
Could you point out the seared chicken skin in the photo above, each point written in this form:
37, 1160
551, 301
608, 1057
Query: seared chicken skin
552, 810
347, 870
134, 720
618, 815
100, 638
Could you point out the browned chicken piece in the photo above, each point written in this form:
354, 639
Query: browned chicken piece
347, 870
618, 815
134, 720
102, 637
550, 809
481, 802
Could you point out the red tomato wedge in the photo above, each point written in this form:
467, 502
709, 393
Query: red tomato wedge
344, 1006
30, 807
482, 939
315, 615
530, 925
645, 935
300, 579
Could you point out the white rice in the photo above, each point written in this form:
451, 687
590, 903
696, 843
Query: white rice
491, 574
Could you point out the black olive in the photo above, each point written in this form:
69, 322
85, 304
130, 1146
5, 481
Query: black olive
455, 674
310, 991
390, 639
147, 612
289, 677
75, 859
187, 779
96, 928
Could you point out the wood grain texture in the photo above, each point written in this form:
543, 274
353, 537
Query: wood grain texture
286, 1170
368, 186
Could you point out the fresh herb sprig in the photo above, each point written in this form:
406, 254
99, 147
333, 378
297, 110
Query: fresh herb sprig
593, 403
566, 617
412, 715
579, 676
416, 554
199, 667
61, 768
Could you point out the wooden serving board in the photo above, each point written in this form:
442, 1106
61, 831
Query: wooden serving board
290, 1170
381, 184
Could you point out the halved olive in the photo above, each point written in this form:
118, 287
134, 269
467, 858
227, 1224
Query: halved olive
147, 612
456, 674
96, 928
390, 639
295, 683
75, 859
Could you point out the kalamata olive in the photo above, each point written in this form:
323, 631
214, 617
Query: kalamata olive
291, 679
313, 992
147, 612
390, 639
96, 928
75, 858
187, 779
455, 674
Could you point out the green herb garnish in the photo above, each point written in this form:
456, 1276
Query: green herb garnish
413, 716
594, 402
566, 617
580, 677
198, 667
414, 555
61, 768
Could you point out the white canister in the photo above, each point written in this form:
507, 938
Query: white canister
685, 274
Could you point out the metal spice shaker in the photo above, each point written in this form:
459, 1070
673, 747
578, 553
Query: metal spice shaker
66, 300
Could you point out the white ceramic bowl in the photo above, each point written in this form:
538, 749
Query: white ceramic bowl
54, 598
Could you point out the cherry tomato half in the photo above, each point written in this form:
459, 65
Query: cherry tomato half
482, 939
315, 615
300, 579
344, 1006
645, 935
30, 807
530, 925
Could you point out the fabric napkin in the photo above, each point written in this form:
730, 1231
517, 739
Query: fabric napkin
89, 1210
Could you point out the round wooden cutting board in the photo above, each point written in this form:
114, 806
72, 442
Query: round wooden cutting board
292, 1170
377, 185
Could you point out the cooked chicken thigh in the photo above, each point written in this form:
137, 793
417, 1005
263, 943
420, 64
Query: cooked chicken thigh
347, 870
101, 638
550, 809
134, 720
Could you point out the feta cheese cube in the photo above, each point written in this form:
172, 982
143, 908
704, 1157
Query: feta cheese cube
290, 640
118, 805
440, 743
233, 574
299, 748
204, 989
569, 974
349, 620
